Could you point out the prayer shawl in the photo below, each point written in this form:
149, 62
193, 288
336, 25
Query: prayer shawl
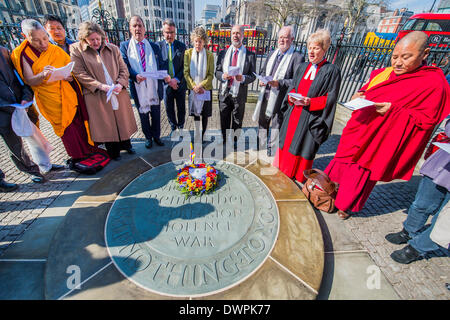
147, 91
390, 145
279, 74
198, 74
57, 101
109, 81
240, 63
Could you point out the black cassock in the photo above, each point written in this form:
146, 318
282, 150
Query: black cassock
314, 127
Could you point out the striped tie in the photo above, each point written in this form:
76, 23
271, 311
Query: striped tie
141, 44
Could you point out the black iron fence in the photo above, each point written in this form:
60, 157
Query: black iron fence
356, 58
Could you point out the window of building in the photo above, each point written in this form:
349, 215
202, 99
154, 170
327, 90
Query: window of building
180, 5
157, 3
189, 6
49, 8
38, 6
158, 13
23, 6
169, 3
145, 3
146, 12
181, 15
169, 14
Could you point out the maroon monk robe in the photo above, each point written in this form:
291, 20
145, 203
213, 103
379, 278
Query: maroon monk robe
377, 147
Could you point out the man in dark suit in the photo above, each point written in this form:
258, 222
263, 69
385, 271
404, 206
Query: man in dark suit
282, 62
175, 90
233, 88
11, 92
145, 56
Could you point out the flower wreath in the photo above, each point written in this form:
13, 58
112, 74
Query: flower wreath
189, 185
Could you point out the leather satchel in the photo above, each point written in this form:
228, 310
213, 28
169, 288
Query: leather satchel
319, 190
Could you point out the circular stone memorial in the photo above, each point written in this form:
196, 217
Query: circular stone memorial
195, 246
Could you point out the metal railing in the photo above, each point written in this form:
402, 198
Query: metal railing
355, 58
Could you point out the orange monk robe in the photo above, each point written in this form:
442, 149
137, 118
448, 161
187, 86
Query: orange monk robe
57, 101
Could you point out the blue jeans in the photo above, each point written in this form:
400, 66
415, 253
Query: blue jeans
430, 199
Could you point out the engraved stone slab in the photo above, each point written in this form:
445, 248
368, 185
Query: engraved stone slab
192, 247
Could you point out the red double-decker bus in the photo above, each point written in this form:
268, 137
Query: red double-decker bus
435, 25
254, 38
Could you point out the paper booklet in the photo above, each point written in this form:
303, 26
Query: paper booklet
159, 74
296, 96
205, 96
358, 103
61, 73
263, 79
234, 71
18, 105
443, 146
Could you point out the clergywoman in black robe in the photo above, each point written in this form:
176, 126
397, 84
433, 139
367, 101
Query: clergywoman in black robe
307, 120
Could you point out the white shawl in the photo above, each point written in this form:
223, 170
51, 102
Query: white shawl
110, 82
279, 74
240, 63
198, 74
147, 91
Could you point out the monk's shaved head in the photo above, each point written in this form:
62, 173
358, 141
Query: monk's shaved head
418, 38
410, 52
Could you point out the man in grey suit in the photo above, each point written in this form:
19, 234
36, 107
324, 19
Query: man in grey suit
233, 88
281, 65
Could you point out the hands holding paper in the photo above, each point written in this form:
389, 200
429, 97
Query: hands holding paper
380, 107
298, 100
198, 89
47, 72
140, 78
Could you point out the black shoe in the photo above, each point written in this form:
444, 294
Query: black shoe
57, 167
398, 237
7, 187
37, 179
131, 151
406, 255
148, 144
158, 141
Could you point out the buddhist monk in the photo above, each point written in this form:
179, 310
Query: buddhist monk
385, 141
60, 102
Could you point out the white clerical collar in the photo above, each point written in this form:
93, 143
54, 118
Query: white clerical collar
311, 74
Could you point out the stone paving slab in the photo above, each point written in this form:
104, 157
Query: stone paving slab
384, 213
293, 272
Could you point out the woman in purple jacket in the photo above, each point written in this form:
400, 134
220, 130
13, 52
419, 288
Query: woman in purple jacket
432, 195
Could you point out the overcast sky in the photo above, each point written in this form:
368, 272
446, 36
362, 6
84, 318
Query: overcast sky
417, 6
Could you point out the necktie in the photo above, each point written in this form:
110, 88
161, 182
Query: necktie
275, 66
233, 64
170, 61
142, 53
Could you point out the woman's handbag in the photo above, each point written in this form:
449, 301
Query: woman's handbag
319, 190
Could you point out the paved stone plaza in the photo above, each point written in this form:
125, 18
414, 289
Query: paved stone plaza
355, 250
